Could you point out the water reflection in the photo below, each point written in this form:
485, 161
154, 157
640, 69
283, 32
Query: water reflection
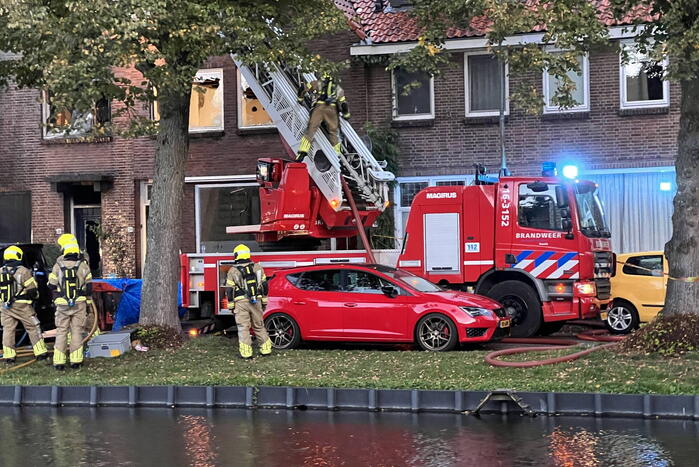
111, 436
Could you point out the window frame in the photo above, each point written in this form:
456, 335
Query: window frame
394, 103
342, 278
467, 103
197, 204
555, 200
624, 103
629, 266
239, 106
211, 72
46, 113
585, 106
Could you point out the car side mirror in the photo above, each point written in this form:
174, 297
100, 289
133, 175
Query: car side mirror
389, 291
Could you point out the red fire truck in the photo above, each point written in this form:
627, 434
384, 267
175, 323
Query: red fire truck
539, 245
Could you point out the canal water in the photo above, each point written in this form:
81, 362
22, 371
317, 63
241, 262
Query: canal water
32, 436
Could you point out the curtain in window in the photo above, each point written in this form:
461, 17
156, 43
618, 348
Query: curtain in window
484, 83
639, 214
418, 100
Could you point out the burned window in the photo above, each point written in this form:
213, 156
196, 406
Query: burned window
251, 114
205, 103
60, 122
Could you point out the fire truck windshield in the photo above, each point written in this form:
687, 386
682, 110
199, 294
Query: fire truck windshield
590, 212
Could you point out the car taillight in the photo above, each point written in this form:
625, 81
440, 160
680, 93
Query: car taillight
585, 289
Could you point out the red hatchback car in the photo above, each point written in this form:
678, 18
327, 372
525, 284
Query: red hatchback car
372, 303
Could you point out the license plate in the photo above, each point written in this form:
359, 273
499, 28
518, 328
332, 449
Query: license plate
603, 316
505, 323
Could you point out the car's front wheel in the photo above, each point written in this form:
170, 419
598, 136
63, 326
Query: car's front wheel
283, 331
622, 318
437, 333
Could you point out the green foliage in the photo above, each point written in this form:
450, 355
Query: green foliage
81, 49
116, 246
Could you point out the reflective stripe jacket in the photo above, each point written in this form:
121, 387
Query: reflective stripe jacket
84, 277
324, 91
26, 287
235, 283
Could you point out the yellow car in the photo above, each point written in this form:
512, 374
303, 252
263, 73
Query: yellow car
638, 291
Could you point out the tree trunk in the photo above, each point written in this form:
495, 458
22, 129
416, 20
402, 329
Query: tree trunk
161, 273
682, 250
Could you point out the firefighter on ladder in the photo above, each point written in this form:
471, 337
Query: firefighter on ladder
246, 290
66, 239
17, 291
328, 101
71, 284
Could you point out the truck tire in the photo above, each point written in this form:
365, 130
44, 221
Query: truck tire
522, 304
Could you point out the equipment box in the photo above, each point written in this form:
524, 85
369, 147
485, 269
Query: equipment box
111, 344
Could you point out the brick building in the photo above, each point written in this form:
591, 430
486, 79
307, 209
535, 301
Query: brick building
623, 134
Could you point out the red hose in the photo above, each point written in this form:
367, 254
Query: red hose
552, 344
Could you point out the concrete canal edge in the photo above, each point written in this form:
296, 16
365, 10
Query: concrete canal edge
395, 400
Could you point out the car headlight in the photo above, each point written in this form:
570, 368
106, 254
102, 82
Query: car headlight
475, 311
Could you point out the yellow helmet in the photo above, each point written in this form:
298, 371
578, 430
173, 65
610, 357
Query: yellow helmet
71, 248
241, 252
13, 253
65, 239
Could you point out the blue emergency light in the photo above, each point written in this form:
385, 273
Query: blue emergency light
570, 171
548, 169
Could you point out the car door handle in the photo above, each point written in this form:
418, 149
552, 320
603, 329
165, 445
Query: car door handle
350, 305
298, 303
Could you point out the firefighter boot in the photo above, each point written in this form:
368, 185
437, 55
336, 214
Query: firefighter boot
304, 147
9, 354
59, 359
245, 350
266, 348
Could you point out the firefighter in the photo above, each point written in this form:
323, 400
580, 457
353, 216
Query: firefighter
71, 284
246, 290
328, 99
17, 291
66, 239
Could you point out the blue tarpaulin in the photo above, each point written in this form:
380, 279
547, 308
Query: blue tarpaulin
129, 307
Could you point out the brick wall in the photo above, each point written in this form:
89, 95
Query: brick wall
600, 138
448, 146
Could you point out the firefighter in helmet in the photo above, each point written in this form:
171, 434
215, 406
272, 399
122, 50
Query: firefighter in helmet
246, 290
67, 239
17, 291
328, 101
71, 284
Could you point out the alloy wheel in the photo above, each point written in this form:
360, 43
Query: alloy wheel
434, 333
619, 318
281, 331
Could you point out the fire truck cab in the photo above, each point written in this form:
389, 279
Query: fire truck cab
538, 245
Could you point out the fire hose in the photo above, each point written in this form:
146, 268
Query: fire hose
596, 335
30, 353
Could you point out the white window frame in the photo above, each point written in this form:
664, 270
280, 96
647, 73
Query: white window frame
239, 106
484, 113
585, 106
197, 199
623, 102
394, 94
211, 73
144, 201
399, 210
45, 114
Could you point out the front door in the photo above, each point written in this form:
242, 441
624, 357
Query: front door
86, 222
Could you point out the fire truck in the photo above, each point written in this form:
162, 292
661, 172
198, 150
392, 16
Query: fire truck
539, 245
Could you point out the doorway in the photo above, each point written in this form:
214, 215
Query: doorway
86, 217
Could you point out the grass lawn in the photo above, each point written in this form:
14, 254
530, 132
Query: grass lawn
213, 361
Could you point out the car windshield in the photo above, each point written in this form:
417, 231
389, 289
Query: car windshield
411, 280
590, 212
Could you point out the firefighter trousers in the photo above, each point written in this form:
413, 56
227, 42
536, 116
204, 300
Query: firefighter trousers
249, 315
69, 320
320, 113
20, 313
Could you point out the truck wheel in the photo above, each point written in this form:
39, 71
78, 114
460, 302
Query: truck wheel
437, 333
283, 331
622, 317
522, 304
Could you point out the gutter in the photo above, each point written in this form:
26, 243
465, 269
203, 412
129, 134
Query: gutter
615, 32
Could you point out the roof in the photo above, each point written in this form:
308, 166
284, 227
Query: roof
390, 25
